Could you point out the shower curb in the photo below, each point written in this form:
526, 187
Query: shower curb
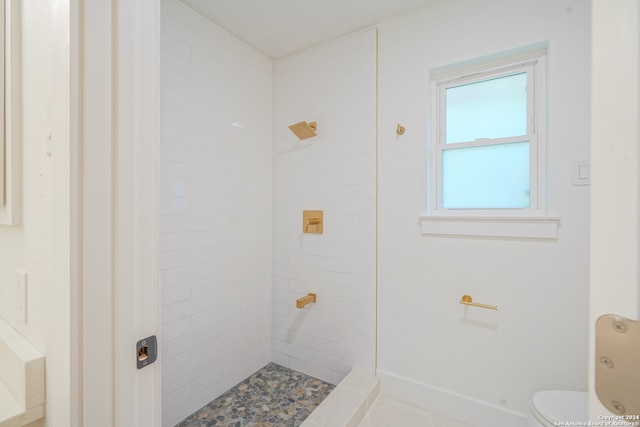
348, 403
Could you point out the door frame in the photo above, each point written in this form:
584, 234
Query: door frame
615, 164
115, 120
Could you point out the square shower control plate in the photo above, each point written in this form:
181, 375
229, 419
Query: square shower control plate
312, 222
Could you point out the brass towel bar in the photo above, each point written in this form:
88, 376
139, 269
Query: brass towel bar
467, 300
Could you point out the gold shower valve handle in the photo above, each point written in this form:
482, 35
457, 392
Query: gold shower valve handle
467, 300
312, 222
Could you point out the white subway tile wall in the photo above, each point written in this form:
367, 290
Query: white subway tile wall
234, 259
216, 225
334, 85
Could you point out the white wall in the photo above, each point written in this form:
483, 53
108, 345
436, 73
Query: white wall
40, 246
479, 365
335, 172
216, 211
615, 204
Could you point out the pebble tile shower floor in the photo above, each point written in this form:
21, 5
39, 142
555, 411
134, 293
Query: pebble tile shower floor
273, 396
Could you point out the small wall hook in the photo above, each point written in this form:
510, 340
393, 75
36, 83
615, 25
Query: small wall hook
400, 129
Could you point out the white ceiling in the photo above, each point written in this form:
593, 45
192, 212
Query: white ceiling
278, 28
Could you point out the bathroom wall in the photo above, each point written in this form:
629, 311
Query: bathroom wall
40, 245
479, 365
335, 85
614, 285
432, 351
216, 211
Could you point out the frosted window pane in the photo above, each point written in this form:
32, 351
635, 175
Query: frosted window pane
490, 177
495, 108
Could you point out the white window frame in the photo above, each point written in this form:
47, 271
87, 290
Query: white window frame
531, 222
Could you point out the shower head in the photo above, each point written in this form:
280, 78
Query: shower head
304, 130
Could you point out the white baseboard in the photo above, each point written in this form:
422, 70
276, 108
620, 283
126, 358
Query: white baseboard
448, 403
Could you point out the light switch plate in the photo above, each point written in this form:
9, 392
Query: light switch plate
22, 293
581, 172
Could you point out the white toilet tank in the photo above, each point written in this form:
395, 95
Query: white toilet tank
555, 406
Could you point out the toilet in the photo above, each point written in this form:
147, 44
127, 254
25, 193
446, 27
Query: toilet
551, 407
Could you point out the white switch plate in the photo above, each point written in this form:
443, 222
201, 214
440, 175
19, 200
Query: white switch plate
22, 296
581, 172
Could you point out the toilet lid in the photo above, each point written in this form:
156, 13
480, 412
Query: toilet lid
561, 405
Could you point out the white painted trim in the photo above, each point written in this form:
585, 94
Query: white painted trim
543, 227
449, 403
614, 272
75, 219
94, 146
11, 210
137, 210
535, 65
115, 210
3, 23
490, 62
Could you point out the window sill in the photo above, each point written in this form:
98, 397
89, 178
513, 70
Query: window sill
517, 227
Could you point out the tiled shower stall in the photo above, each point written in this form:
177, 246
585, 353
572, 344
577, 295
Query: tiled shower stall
235, 181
